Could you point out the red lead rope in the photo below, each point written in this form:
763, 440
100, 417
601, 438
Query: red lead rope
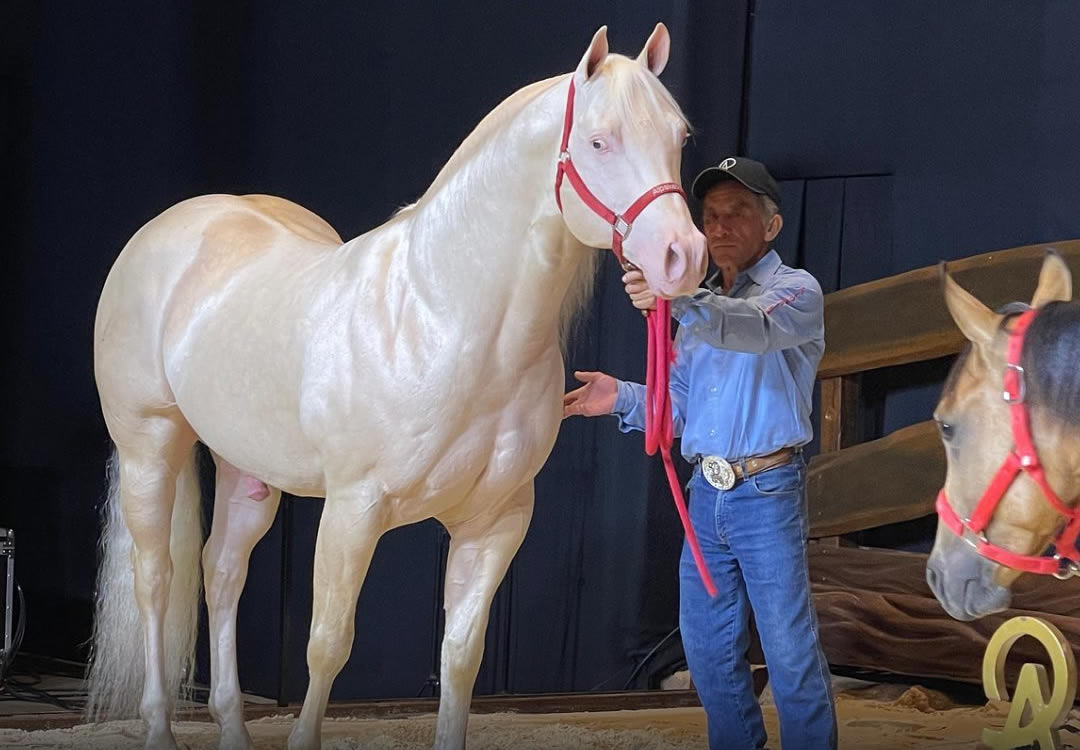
658, 430
658, 427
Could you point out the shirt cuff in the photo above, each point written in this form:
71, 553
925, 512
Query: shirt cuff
679, 307
624, 400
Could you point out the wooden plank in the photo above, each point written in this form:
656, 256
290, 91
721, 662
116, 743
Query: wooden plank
889, 480
839, 412
903, 318
839, 420
876, 612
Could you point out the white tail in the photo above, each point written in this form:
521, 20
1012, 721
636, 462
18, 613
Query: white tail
117, 658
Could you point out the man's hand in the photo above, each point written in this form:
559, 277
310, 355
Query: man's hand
595, 398
640, 294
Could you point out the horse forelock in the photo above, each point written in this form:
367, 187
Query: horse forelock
636, 97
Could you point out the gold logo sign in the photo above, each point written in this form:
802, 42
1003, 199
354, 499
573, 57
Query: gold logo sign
1043, 709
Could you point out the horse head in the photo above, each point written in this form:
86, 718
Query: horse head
1008, 448
621, 152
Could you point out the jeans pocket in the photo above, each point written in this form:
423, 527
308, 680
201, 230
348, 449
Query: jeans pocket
781, 480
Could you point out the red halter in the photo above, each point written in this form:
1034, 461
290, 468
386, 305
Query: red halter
1022, 458
620, 224
658, 429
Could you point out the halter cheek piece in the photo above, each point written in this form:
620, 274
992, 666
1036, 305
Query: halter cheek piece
1023, 458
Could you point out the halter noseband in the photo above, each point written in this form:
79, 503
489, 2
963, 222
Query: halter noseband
1023, 458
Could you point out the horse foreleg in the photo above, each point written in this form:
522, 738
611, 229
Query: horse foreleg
244, 509
148, 471
480, 553
349, 529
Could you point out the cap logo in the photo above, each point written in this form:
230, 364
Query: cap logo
727, 163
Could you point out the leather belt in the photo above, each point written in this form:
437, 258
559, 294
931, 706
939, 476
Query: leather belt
723, 474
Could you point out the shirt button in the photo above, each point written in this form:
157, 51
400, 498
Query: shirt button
712, 433
713, 389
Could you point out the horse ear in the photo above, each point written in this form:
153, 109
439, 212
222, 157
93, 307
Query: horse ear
594, 55
654, 55
976, 321
1055, 281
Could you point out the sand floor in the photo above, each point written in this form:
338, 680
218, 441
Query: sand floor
876, 718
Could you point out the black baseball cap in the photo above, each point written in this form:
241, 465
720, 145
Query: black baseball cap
750, 173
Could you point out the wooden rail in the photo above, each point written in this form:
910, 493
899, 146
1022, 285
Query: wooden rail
903, 319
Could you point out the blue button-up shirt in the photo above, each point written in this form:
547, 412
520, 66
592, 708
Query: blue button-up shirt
743, 379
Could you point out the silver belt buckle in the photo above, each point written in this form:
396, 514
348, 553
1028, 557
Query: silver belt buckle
718, 472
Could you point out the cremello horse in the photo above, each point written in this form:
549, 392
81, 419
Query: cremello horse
1009, 416
410, 373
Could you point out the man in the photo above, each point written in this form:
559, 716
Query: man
747, 352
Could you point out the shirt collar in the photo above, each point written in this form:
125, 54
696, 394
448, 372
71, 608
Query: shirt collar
758, 273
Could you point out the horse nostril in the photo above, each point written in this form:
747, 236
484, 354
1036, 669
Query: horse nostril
674, 261
931, 577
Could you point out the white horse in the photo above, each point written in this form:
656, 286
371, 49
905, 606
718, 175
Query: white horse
413, 372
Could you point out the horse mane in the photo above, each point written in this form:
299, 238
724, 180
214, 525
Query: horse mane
1049, 360
634, 95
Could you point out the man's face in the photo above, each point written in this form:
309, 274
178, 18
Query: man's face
735, 225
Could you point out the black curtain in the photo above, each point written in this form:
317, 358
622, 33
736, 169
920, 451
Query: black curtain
113, 112
901, 133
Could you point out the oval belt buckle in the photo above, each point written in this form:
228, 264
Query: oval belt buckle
718, 472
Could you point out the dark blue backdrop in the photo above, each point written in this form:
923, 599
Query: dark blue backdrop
902, 132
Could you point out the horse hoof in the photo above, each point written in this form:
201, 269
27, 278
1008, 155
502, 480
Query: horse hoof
160, 740
236, 739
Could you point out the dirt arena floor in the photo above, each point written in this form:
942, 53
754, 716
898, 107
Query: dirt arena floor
871, 717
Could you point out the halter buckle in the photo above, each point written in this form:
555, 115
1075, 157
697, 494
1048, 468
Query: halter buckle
622, 226
1008, 397
564, 155
1066, 568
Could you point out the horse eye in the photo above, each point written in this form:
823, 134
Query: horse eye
598, 145
946, 430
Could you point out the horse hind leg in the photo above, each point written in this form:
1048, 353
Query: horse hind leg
481, 550
351, 524
149, 465
244, 509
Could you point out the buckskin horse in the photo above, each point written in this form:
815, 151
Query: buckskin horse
413, 372
1009, 418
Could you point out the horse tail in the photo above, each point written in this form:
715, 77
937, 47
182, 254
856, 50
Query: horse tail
117, 659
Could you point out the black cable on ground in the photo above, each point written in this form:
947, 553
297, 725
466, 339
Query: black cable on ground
12, 688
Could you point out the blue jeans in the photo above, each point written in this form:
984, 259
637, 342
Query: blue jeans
753, 538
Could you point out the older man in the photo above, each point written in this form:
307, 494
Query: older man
747, 352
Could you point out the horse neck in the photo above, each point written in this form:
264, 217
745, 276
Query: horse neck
488, 234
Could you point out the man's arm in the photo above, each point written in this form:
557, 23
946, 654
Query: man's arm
630, 402
785, 315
